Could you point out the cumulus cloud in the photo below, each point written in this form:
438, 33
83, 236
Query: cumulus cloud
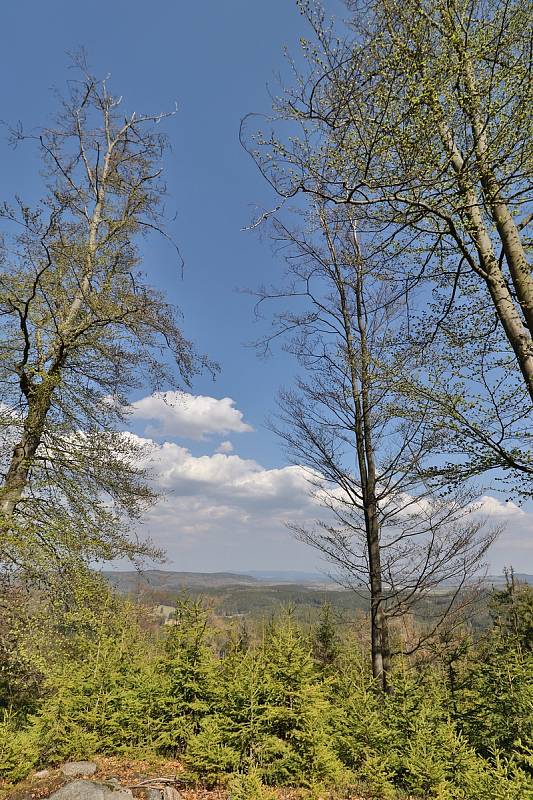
227, 477
494, 508
224, 512
514, 546
189, 416
225, 447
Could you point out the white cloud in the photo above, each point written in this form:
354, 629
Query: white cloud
225, 447
514, 546
224, 512
227, 477
493, 507
189, 416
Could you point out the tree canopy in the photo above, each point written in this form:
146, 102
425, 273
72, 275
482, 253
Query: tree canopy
80, 327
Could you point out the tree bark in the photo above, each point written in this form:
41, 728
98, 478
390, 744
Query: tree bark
381, 656
39, 396
505, 225
39, 401
489, 269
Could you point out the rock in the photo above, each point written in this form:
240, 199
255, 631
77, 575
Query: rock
74, 768
147, 792
114, 784
169, 793
87, 790
43, 773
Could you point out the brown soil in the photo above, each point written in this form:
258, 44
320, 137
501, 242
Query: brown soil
129, 773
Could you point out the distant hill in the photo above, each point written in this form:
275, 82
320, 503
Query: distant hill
159, 580
236, 595
499, 580
168, 581
278, 577
260, 593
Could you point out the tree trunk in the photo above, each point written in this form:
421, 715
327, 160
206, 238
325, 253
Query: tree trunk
489, 269
513, 250
373, 528
39, 401
379, 622
360, 389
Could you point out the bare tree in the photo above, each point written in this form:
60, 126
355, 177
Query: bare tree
80, 327
386, 527
419, 116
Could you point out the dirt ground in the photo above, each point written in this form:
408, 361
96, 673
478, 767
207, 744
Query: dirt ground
130, 773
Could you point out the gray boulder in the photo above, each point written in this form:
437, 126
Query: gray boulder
72, 769
87, 790
170, 793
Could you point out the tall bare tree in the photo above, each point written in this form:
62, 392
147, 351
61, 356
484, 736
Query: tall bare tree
419, 116
385, 526
80, 327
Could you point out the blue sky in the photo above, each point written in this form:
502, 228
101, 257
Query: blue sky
215, 59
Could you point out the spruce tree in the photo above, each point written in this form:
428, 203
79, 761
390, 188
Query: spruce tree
494, 707
296, 710
325, 639
361, 736
191, 672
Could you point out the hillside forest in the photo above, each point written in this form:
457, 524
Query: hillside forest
396, 158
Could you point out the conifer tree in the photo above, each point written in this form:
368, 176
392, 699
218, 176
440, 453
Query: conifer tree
512, 613
296, 709
361, 735
100, 691
233, 737
494, 706
325, 639
190, 669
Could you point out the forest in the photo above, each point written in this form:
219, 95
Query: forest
394, 314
